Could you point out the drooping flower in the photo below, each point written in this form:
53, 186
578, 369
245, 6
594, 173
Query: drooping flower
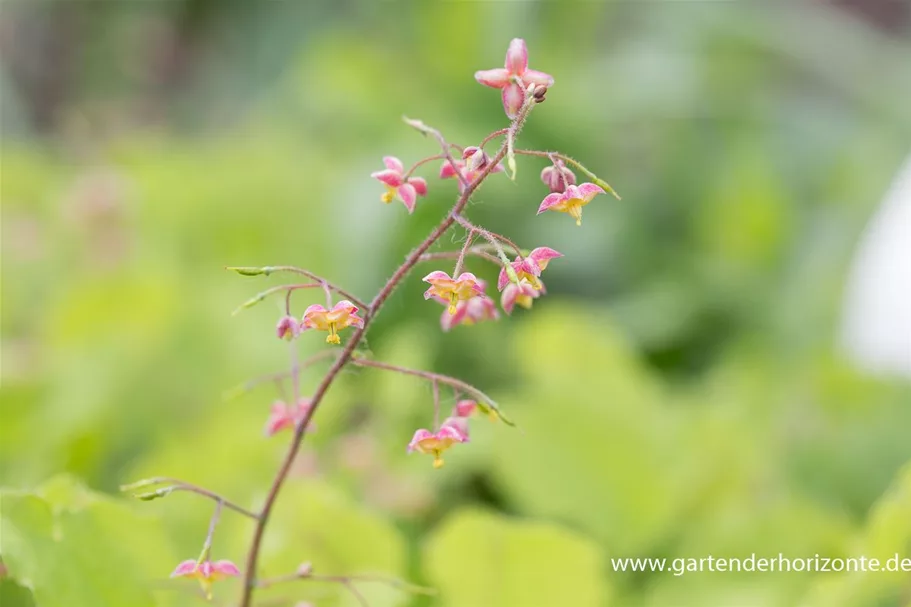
396, 185
282, 416
469, 312
557, 177
452, 290
571, 201
522, 294
529, 268
288, 328
434, 443
466, 408
343, 314
448, 170
206, 572
514, 78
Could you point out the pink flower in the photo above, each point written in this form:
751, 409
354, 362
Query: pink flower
434, 443
288, 328
514, 78
469, 312
571, 201
448, 171
452, 290
396, 185
557, 177
343, 314
206, 572
522, 294
530, 267
283, 417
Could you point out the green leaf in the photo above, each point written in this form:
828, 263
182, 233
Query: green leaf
71, 547
477, 559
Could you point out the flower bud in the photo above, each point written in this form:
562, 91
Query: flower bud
558, 177
305, 569
539, 93
475, 158
287, 328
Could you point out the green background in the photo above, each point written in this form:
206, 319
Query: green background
680, 391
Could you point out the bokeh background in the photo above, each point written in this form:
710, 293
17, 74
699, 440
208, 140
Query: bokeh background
681, 391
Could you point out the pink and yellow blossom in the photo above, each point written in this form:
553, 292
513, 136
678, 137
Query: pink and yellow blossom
452, 290
206, 572
343, 314
571, 201
514, 78
397, 186
529, 268
435, 443
522, 294
282, 416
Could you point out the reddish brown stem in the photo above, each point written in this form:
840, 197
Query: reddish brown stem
422, 162
455, 255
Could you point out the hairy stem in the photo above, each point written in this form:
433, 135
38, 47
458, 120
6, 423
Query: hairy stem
568, 160
413, 258
455, 255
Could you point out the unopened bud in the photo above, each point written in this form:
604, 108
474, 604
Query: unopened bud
558, 177
287, 328
539, 93
475, 158
304, 569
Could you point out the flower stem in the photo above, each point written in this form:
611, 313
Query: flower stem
455, 255
179, 485
422, 162
267, 270
348, 352
595, 179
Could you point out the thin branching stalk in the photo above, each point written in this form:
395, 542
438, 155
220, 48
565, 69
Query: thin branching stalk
346, 356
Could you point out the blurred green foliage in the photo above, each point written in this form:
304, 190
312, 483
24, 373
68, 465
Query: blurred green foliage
679, 391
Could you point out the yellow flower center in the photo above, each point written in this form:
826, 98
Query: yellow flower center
453, 301
575, 211
437, 459
333, 337
388, 195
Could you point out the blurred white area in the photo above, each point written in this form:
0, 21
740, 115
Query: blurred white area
877, 319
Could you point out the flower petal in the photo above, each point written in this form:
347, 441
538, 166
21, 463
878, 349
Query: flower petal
551, 200
226, 568
391, 178
539, 78
436, 275
517, 57
419, 184
419, 436
465, 408
187, 567
495, 78
408, 195
587, 191
394, 164
543, 254
513, 97
447, 170
448, 321
344, 306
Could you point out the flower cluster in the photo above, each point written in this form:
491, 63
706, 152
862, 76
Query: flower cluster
462, 293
